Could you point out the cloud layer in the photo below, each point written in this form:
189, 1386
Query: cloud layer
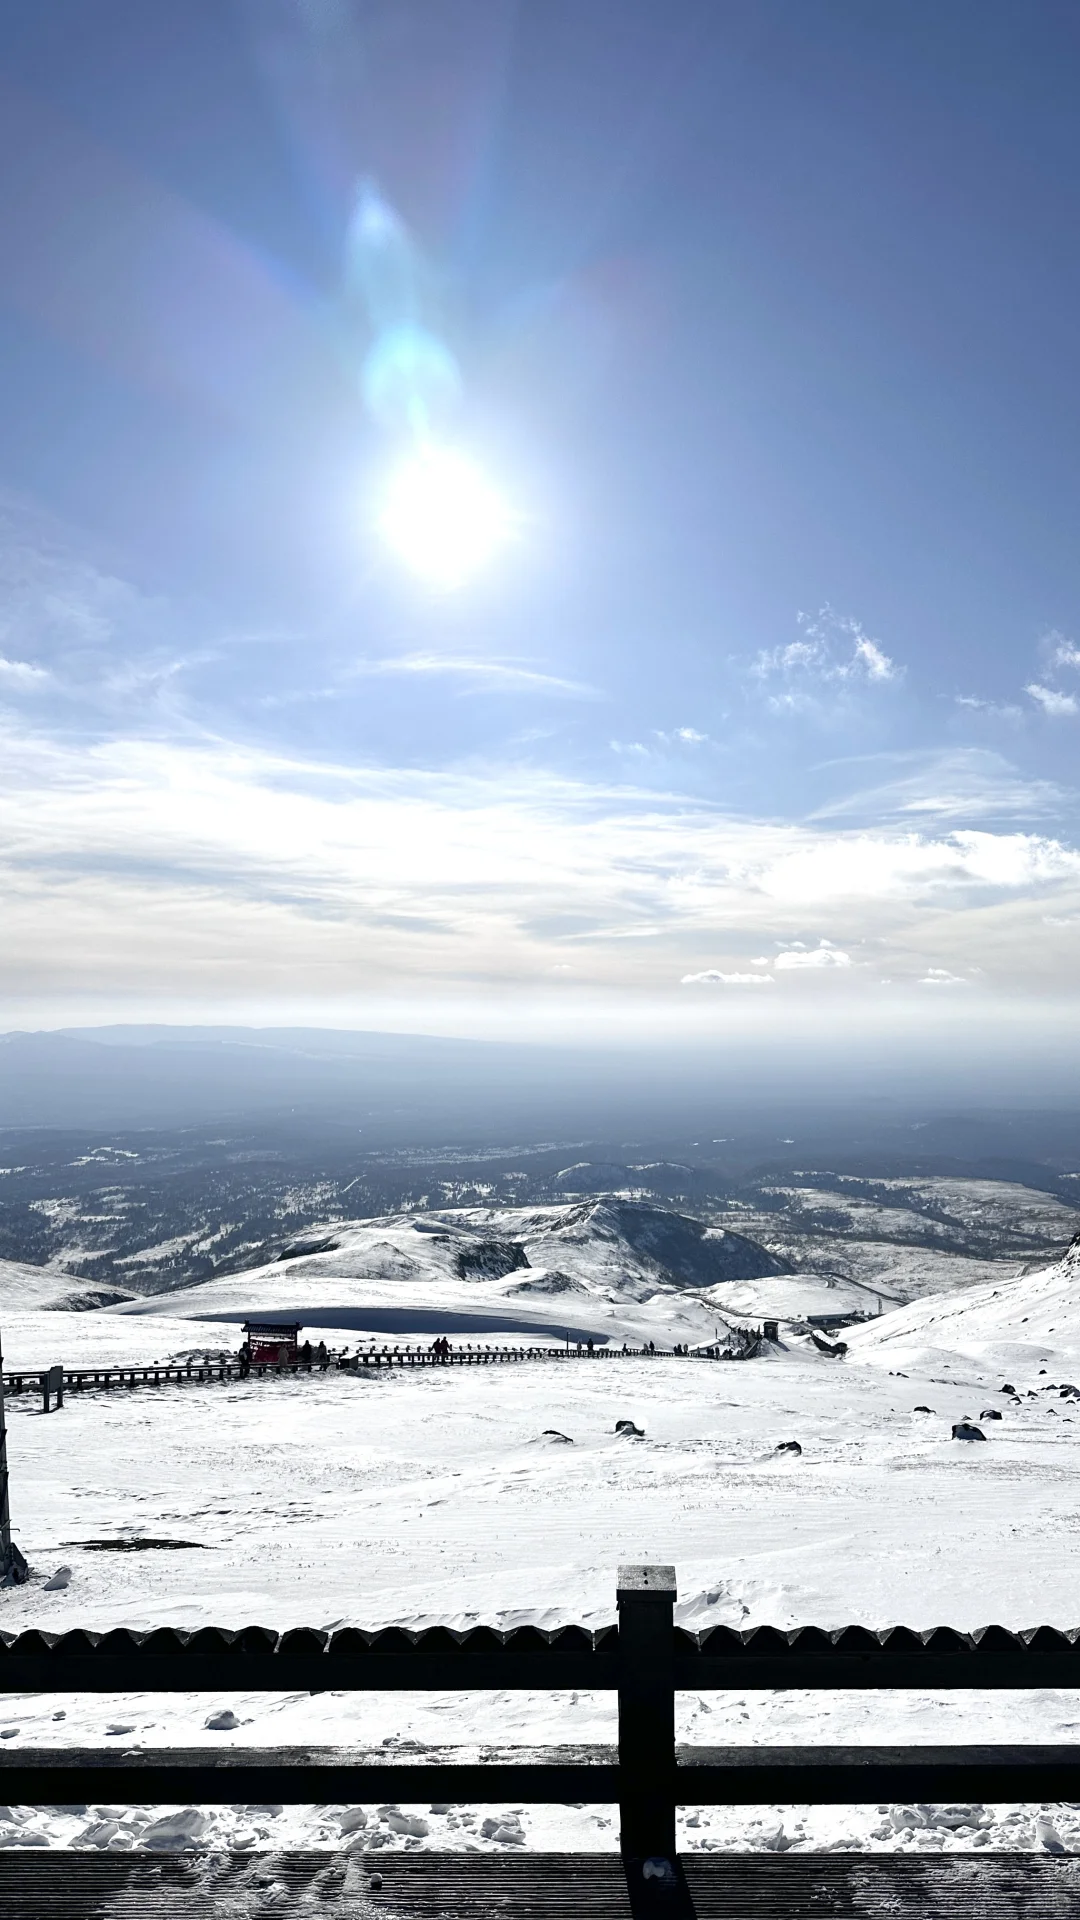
210, 868
172, 835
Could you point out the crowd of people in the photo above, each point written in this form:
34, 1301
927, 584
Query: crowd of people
305, 1356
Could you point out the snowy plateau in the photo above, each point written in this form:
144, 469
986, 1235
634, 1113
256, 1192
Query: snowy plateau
506, 1494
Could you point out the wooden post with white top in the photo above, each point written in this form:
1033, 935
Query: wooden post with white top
646, 1602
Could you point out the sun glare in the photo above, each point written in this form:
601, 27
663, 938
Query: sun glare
443, 518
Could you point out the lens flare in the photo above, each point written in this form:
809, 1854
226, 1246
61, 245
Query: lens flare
443, 518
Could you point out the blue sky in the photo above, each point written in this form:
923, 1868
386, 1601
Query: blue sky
767, 715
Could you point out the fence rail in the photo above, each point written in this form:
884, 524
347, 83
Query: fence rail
194, 1372
59, 1380
645, 1659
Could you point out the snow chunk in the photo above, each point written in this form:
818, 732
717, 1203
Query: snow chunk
175, 1830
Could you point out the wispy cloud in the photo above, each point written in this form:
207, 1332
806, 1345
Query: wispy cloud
993, 709
966, 783
1058, 654
711, 978
497, 676
1060, 706
834, 651
81, 639
1059, 651
20, 674
662, 743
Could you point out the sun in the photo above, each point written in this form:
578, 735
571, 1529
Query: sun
442, 517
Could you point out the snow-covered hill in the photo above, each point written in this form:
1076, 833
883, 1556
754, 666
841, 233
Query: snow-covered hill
23, 1287
1018, 1325
604, 1269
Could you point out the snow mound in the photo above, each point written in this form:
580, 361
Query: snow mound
553, 1282
1029, 1320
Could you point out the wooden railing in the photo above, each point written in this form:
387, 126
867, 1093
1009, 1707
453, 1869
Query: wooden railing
58, 1380
645, 1660
54, 1382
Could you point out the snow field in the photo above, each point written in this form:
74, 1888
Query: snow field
384, 1497
339, 1499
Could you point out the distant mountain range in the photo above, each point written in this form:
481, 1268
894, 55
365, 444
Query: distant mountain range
420, 1090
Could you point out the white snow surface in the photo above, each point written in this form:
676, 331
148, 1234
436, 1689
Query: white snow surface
22, 1286
1031, 1320
415, 1497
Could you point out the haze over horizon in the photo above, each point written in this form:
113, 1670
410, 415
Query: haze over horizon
757, 728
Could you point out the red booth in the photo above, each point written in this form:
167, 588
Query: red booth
272, 1344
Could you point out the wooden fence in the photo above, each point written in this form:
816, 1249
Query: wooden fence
645, 1659
58, 1380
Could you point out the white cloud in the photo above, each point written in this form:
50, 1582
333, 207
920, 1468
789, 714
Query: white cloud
19, 673
676, 737
208, 867
714, 979
834, 651
500, 676
1060, 650
996, 710
873, 658
894, 866
941, 977
824, 955
962, 783
1058, 705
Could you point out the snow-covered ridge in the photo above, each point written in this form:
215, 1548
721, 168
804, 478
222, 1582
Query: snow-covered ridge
22, 1286
606, 1269
1021, 1322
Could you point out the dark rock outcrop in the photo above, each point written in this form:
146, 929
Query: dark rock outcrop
490, 1259
685, 1252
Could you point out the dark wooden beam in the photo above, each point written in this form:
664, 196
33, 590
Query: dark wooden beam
646, 1600
542, 1670
841, 1776
222, 1776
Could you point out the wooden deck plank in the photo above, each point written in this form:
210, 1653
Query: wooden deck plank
531, 1886
931, 1886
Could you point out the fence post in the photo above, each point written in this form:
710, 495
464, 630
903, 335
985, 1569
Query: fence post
646, 1602
13, 1568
